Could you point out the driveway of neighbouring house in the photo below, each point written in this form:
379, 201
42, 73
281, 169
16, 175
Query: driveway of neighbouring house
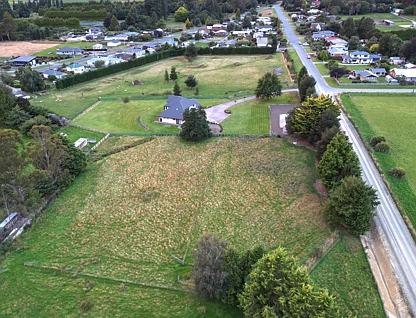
215, 114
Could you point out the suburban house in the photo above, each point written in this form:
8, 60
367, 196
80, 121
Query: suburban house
46, 72
266, 29
217, 27
317, 26
408, 74
107, 60
24, 60
356, 57
118, 37
69, 51
174, 108
375, 57
76, 68
388, 22
409, 65
336, 52
321, 35
262, 42
379, 71
368, 76
395, 60
113, 43
221, 33
98, 47
335, 42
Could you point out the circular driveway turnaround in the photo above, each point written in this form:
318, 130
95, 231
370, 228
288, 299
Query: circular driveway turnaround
399, 243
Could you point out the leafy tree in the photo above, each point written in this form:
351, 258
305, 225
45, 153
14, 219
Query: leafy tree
323, 143
302, 74
30, 81
126, 100
77, 160
161, 24
352, 204
374, 48
328, 119
188, 24
238, 14
6, 78
206, 271
176, 89
238, 268
173, 74
390, 45
348, 28
306, 87
8, 26
17, 179
7, 101
278, 287
323, 55
166, 76
35, 121
17, 117
308, 115
338, 161
354, 43
181, 14
191, 52
268, 86
397, 172
333, 26
114, 25
197, 91
48, 153
99, 63
409, 50
337, 72
195, 126
364, 26
191, 81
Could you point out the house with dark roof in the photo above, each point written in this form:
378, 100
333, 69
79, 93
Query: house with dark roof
24, 60
316, 36
174, 108
69, 51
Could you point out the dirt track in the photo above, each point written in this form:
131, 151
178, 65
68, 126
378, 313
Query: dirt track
19, 48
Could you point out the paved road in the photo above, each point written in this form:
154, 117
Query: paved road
401, 246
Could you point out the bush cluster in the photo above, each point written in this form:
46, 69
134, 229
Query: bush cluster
397, 172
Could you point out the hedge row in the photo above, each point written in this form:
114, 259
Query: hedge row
72, 23
98, 73
405, 34
83, 15
105, 71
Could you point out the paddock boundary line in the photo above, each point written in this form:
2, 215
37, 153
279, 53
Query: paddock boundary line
86, 110
76, 273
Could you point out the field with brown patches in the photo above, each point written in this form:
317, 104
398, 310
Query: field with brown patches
21, 48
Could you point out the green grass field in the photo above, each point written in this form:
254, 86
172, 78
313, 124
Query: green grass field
296, 60
392, 116
215, 75
127, 215
349, 279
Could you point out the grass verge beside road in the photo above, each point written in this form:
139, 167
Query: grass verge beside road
393, 116
349, 279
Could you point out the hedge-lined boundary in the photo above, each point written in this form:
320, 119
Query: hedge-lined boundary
112, 69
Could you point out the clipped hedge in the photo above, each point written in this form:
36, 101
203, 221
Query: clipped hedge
376, 139
397, 172
382, 146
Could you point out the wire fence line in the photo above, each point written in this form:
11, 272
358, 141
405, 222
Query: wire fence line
121, 280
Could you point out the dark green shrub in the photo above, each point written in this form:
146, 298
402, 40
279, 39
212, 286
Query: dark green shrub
397, 172
376, 139
382, 146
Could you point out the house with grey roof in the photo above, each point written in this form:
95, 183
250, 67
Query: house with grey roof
69, 51
24, 60
379, 71
46, 72
174, 108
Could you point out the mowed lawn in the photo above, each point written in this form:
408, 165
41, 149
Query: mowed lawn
253, 117
349, 279
126, 216
218, 77
392, 116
